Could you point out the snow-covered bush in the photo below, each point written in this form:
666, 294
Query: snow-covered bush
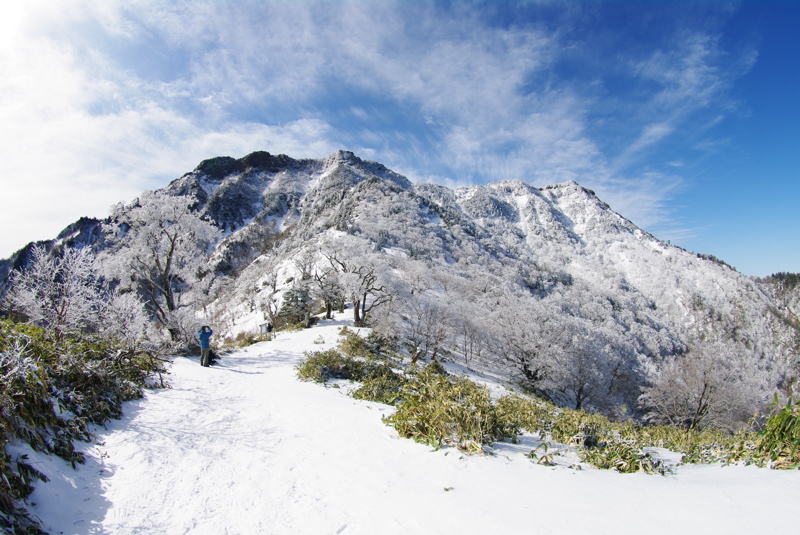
442, 410
51, 388
61, 291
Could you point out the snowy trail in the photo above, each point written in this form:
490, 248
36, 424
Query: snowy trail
245, 448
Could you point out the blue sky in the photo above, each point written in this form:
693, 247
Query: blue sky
683, 116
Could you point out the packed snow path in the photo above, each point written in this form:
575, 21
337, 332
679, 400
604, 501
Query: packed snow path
246, 448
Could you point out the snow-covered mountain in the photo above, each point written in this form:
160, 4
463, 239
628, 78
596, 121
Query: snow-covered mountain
583, 306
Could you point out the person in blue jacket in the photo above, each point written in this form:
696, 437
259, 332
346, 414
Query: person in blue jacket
204, 335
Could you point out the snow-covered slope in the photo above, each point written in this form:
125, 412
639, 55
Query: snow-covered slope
244, 448
557, 290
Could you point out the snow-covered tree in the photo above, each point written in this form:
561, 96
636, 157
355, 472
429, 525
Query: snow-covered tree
471, 339
159, 247
297, 305
65, 294
58, 292
426, 327
363, 275
328, 289
527, 338
582, 370
122, 316
707, 386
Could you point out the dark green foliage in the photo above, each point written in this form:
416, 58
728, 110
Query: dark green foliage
320, 366
383, 385
780, 439
786, 282
622, 446
440, 410
296, 307
714, 259
373, 347
49, 394
220, 167
365, 360
524, 413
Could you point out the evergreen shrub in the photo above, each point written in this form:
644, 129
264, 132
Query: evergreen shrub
371, 347
440, 410
383, 386
622, 446
320, 366
50, 391
524, 413
780, 440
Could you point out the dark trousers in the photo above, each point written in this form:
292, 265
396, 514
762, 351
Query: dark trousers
205, 359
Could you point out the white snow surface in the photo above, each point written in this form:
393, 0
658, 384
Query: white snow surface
244, 447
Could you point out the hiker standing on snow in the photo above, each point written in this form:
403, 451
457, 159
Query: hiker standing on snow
204, 335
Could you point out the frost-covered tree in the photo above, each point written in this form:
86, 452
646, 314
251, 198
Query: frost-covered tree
159, 247
707, 386
57, 292
471, 339
297, 306
64, 293
582, 371
426, 328
363, 275
328, 289
527, 339
123, 317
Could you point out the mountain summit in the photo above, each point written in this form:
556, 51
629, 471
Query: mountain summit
546, 287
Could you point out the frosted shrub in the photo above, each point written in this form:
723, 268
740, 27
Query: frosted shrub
51, 388
441, 411
320, 366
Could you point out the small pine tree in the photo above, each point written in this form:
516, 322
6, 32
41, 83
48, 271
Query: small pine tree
296, 307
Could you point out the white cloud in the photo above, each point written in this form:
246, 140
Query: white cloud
102, 99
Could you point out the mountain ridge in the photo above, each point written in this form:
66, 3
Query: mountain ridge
556, 267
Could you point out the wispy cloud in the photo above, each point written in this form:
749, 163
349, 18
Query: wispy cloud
101, 99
